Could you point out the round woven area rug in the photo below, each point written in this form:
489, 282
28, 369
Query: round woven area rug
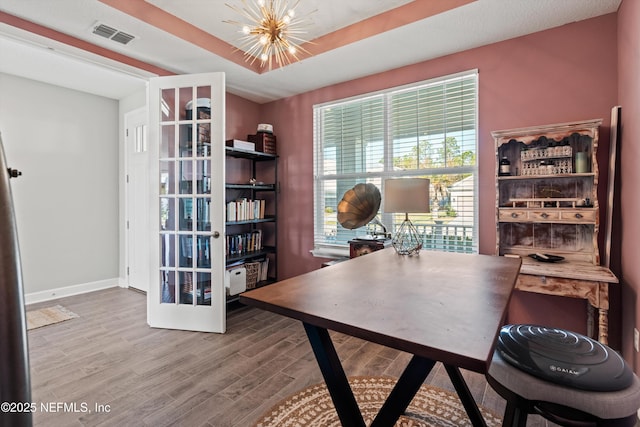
312, 406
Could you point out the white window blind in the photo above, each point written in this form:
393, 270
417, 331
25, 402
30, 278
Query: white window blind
429, 130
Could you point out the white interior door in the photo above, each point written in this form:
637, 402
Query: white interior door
137, 190
186, 147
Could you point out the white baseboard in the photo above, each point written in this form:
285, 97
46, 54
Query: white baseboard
67, 291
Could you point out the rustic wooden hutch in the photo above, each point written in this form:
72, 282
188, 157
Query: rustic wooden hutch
547, 206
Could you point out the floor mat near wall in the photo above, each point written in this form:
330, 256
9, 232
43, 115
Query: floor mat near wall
48, 316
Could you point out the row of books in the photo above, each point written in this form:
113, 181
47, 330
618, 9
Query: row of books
245, 210
263, 270
239, 244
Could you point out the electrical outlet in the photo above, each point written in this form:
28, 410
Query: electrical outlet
636, 339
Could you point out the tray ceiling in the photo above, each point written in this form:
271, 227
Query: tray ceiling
52, 41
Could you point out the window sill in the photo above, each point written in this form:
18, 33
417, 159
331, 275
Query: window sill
331, 252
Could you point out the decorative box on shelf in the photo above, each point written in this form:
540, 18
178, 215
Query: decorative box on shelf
235, 280
264, 142
253, 274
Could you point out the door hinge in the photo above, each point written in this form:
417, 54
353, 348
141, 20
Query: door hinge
127, 271
127, 224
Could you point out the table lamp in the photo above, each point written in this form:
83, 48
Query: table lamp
408, 195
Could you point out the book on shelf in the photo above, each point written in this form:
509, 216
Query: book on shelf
242, 145
264, 270
245, 210
243, 243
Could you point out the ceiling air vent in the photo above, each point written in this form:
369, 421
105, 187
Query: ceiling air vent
121, 37
111, 33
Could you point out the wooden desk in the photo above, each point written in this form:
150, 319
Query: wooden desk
573, 280
438, 306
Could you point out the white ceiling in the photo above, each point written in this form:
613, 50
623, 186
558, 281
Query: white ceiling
27, 54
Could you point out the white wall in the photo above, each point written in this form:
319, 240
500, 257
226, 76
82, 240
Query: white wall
66, 144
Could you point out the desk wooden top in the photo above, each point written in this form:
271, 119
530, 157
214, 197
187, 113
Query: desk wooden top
568, 270
443, 306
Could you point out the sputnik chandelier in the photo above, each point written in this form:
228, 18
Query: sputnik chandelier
273, 32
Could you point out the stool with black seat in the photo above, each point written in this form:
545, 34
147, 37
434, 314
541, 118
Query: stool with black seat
567, 378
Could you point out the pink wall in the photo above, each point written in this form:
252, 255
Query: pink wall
559, 75
629, 100
242, 118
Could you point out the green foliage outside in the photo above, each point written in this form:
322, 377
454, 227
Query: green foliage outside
434, 154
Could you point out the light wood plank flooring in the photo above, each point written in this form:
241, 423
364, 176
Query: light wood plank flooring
142, 376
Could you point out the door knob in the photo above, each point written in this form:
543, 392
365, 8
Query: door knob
216, 234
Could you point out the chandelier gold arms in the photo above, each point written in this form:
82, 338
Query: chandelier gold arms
273, 32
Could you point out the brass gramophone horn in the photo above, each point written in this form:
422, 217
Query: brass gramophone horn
359, 206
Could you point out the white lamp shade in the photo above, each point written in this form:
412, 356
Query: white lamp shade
408, 195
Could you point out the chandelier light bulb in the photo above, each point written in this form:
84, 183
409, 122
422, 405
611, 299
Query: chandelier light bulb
264, 39
261, 3
286, 19
291, 13
246, 30
292, 50
264, 57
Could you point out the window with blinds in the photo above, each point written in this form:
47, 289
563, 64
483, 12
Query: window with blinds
429, 130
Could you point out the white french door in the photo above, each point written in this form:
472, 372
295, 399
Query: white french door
186, 146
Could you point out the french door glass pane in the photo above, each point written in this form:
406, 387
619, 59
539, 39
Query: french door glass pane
167, 105
185, 251
203, 176
204, 252
185, 212
167, 177
186, 140
204, 288
168, 141
186, 287
203, 138
168, 284
186, 176
167, 213
203, 214
204, 95
186, 101
167, 250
